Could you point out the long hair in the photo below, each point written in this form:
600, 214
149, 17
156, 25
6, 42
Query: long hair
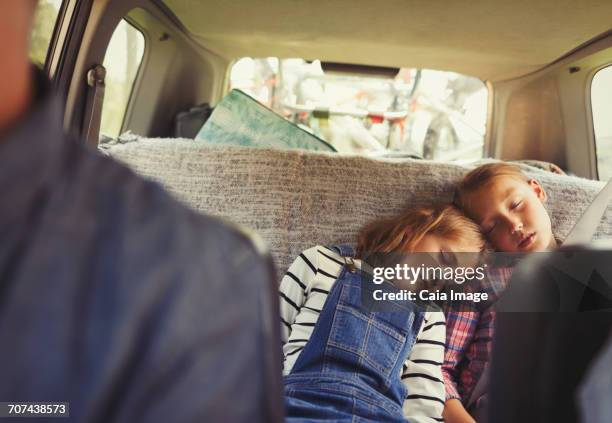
402, 233
481, 176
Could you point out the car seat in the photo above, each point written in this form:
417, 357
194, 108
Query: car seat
553, 320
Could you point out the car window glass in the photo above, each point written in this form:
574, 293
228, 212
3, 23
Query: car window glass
122, 61
431, 114
45, 19
601, 102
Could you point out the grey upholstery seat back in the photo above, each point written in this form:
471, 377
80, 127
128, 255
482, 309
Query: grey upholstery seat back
296, 199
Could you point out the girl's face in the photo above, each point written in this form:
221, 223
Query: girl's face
437, 244
512, 216
445, 250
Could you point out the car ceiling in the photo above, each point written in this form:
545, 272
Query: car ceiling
493, 40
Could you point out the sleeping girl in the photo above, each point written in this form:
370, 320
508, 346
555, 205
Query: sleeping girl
342, 360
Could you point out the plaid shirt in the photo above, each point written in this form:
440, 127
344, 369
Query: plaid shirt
469, 335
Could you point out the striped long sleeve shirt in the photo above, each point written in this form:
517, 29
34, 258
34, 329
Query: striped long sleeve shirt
303, 292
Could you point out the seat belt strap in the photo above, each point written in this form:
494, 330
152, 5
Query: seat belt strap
95, 100
481, 387
584, 229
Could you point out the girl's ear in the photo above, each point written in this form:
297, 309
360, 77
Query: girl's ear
538, 189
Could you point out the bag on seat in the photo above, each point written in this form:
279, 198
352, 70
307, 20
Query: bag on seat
187, 124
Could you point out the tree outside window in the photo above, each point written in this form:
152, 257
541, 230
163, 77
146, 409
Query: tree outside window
45, 19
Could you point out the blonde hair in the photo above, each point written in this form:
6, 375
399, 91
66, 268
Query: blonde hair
402, 233
481, 176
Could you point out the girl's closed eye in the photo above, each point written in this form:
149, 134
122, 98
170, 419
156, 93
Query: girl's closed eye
516, 204
486, 230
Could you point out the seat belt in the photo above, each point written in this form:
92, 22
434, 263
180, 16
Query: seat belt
93, 109
582, 233
584, 229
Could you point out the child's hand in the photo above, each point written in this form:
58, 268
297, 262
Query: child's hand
454, 412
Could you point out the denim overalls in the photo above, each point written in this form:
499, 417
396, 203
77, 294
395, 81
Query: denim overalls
350, 368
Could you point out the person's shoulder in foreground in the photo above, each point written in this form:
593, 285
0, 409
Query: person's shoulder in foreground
117, 298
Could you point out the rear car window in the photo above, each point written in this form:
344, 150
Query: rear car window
45, 18
122, 61
405, 112
601, 105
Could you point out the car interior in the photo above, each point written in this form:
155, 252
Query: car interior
302, 121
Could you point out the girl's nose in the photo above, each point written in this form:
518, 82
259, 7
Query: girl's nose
517, 227
514, 224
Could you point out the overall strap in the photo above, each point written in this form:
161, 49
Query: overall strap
347, 253
344, 250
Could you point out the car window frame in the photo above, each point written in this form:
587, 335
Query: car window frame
591, 117
135, 86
